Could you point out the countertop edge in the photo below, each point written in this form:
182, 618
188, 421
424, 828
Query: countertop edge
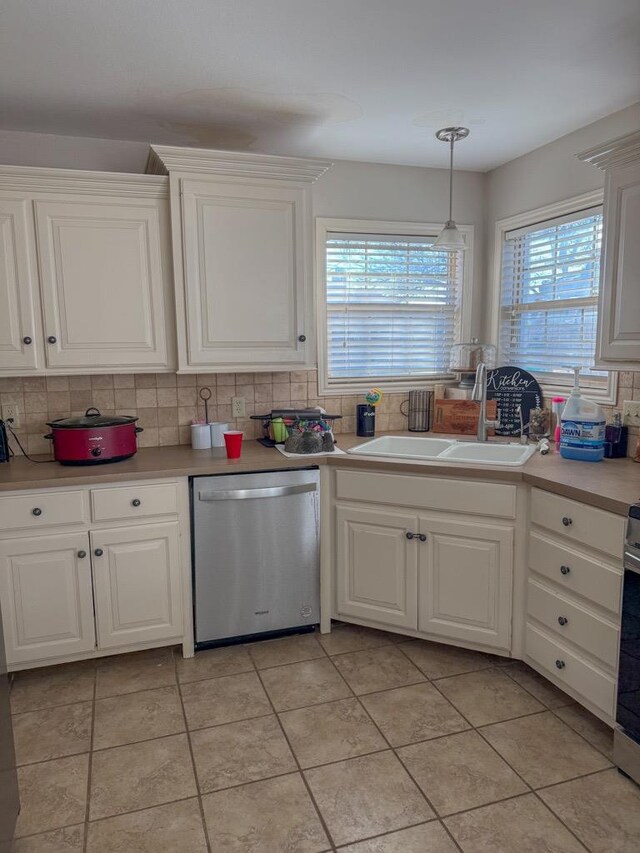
595, 485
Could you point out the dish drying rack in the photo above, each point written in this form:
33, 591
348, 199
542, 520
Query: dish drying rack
292, 418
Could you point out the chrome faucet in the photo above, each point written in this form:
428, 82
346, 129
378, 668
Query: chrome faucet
479, 394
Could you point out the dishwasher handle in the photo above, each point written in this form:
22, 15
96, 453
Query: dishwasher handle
245, 494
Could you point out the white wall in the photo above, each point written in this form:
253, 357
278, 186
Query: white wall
546, 175
18, 148
409, 193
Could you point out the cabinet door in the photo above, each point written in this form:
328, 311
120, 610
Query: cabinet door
377, 566
619, 312
245, 273
47, 604
137, 583
465, 581
102, 283
19, 333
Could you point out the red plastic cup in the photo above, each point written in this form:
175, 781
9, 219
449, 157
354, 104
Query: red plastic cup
233, 443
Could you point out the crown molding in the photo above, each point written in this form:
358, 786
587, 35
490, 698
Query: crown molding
238, 164
622, 151
72, 181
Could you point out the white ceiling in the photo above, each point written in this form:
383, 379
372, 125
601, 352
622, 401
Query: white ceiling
350, 79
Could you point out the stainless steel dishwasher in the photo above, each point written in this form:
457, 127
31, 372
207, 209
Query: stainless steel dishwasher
255, 554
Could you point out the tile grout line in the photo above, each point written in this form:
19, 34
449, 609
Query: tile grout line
85, 842
434, 682
558, 717
584, 737
323, 823
397, 757
394, 752
203, 821
524, 781
532, 790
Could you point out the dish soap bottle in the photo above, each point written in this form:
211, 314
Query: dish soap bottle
582, 427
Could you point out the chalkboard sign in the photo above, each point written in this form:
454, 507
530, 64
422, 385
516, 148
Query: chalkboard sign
512, 387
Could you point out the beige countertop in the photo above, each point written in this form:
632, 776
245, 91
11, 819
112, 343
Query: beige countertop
612, 484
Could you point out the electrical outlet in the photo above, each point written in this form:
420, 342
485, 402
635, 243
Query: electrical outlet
631, 412
11, 414
238, 407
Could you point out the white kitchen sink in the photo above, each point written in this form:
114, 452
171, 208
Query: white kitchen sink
445, 450
403, 447
487, 453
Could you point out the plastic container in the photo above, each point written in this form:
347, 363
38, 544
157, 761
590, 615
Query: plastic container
200, 436
557, 406
218, 430
582, 427
233, 442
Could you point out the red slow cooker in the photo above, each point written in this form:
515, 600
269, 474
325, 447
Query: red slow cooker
93, 439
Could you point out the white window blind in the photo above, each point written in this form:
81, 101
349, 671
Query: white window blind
393, 306
549, 304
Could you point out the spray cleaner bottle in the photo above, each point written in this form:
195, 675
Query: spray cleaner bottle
582, 427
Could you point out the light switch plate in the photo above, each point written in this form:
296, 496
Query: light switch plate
238, 407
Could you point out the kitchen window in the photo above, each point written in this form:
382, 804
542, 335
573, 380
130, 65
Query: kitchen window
549, 283
390, 306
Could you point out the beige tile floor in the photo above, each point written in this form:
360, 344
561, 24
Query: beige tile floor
360, 741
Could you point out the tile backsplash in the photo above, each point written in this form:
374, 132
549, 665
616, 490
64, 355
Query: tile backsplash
166, 403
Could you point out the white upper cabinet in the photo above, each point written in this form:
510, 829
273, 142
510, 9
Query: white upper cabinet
618, 345
241, 228
20, 335
85, 272
101, 282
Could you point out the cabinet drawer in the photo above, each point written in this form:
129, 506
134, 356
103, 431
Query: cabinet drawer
573, 622
578, 522
486, 499
41, 510
576, 572
133, 502
577, 673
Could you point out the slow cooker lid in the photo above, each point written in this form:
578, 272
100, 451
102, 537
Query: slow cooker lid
92, 418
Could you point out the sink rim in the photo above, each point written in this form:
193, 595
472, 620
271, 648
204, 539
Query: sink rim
447, 442
449, 454
446, 454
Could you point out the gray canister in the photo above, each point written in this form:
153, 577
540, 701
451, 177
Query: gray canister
418, 410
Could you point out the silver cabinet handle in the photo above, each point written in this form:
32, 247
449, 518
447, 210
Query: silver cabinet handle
246, 494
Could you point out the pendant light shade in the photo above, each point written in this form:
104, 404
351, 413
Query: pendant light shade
450, 239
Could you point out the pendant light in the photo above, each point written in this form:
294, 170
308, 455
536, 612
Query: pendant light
450, 239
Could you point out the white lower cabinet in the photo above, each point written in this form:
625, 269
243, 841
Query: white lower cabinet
77, 587
435, 574
377, 566
137, 582
46, 595
465, 581
574, 590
